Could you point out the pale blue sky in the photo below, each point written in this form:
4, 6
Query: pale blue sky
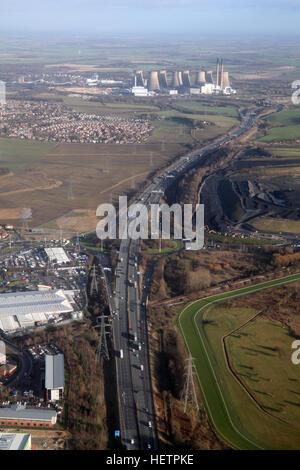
144, 16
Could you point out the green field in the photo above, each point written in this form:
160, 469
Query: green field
289, 117
234, 416
293, 152
254, 350
276, 225
107, 108
198, 107
15, 153
281, 133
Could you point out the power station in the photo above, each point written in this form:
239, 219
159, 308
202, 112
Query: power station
183, 81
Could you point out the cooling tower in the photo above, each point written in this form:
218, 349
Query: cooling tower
163, 79
154, 82
226, 82
186, 79
200, 78
175, 82
218, 73
209, 76
140, 78
222, 75
180, 78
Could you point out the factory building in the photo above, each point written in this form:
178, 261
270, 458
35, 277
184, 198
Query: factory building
19, 415
54, 376
25, 309
139, 91
208, 89
9, 441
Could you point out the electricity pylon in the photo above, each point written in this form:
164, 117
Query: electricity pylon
189, 391
94, 285
102, 349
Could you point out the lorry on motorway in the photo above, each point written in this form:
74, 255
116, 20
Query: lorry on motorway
121, 353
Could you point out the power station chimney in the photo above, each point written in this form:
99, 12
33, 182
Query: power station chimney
186, 79
154, 82
222, 75
218, 72
163, 79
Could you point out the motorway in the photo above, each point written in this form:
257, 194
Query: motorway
136, 407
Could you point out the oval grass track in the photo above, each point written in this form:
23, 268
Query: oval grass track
220, 412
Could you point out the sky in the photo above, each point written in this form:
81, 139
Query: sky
276, 17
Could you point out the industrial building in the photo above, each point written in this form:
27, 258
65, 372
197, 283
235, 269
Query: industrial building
54, 376
57, 255
7, 369
19, 415
26, 309
9, 441
139, 91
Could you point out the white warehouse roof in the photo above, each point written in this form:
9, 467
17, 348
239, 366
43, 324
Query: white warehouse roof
9, 441
57, 254
21, 309
54, 373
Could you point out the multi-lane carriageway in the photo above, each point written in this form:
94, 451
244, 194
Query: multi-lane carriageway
136, 407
